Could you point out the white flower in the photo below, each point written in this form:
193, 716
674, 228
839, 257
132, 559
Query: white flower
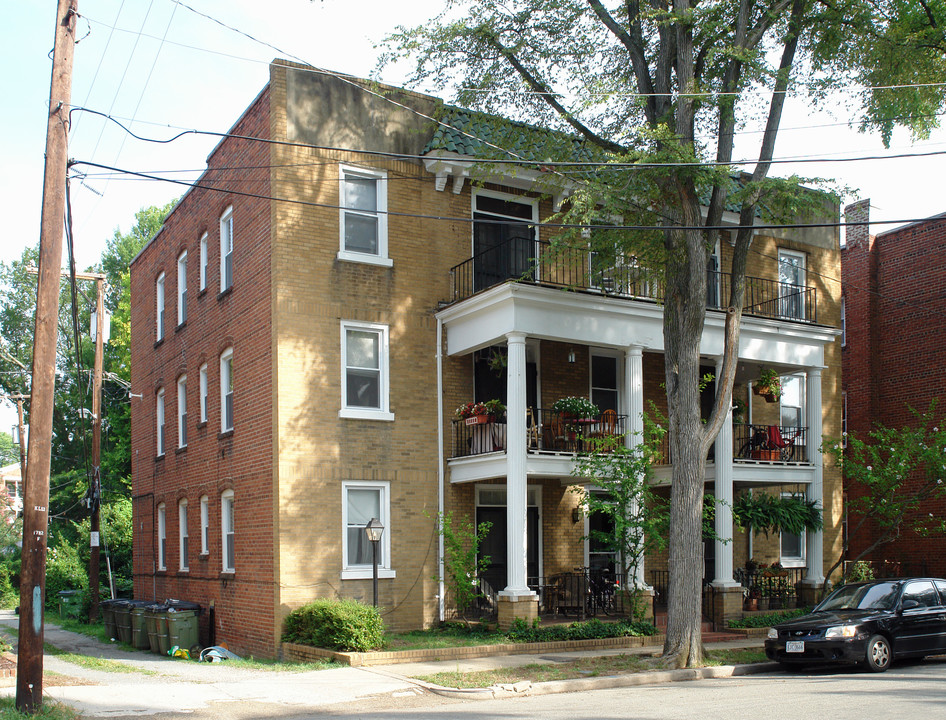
870, 467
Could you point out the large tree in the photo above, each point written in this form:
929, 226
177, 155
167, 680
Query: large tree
659, 90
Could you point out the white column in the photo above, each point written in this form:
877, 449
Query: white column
516, 482
815, 545
634, 432
723, 490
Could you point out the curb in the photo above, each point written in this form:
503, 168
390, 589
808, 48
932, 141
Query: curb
554, 687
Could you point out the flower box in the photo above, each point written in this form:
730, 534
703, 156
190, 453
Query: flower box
477, 420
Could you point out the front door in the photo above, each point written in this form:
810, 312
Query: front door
503, 242
494, 545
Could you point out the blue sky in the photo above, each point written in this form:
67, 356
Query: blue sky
164, 68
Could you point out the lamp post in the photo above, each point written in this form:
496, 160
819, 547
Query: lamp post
373, 530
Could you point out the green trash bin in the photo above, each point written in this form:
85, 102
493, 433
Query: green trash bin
122, 610
139, 626
183, 624
156, 623
70, 603
108, 617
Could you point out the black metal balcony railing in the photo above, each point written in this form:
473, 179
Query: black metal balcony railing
541, 263
546, 431
774, 443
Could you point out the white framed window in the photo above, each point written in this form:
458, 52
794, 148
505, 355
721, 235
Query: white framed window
159, 421
791, 278
792, 545
204, 525
183, 533
362, 501
226, 249
228, 531
182, 411
792, 403
363, 203
843, 322
365, 382
203, 392
159, 307
605, 378
203, 262
182, 288
226, 390
162, 538
844, 419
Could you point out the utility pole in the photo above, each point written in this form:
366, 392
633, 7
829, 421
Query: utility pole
29, 676
95, 489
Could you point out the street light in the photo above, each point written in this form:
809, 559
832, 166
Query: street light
373, 530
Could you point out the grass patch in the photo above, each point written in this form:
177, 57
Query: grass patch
96, 630
50, 710
444, 636
94, 663
769, 619
600, 666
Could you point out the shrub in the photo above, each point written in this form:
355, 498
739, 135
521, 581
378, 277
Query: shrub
522, 632
769, 619
64, 571
346, 625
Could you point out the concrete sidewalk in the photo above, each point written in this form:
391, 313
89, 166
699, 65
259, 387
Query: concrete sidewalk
166, 686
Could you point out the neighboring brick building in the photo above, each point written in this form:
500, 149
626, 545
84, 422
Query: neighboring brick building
894, 354
346, 288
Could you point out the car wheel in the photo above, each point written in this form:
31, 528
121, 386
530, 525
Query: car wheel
878, 654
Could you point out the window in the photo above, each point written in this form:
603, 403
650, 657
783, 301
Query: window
504, 239
159, 301
843, 323
159, 421
182, 411
791, 278
227, 527
226, 390
182, 523
792, 545
203, 393
365, 372
844, 418
604, 382
602, 553
204, 525
226, 249
363, 215
182, 288
162, 538
792, 402
362, 501
203, 262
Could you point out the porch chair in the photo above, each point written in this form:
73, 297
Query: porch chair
532, 431
554, 433
784, 444
606, 428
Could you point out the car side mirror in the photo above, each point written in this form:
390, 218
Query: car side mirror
909, 604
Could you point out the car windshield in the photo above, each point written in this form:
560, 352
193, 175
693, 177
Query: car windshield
878, 596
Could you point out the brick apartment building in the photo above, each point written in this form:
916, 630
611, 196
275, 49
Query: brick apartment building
313, 311
894, 351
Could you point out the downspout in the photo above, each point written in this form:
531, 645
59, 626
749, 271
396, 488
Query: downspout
440, 470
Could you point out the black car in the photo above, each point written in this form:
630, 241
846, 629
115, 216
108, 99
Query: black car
871, 623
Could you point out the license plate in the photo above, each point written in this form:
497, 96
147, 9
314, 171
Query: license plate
795, 646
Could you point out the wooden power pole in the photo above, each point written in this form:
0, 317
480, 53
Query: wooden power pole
29, 676
95, 487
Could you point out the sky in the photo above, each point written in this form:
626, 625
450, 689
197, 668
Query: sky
160, 67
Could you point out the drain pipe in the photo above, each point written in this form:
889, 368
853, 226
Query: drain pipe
440, 469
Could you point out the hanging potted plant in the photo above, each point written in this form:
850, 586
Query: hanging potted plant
769, 385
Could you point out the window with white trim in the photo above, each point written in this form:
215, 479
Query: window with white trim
182, 288
362, 501
792, 402
162, 538
792, 545
182, 524
228, 531
204, 525
159, 307
843, 322
203, 262
792, 291
159, 421
226, 249
365, 381
363, 215
182, 411
226, 390
203, 393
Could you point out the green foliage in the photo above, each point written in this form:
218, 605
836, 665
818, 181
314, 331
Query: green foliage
9, 450
773, 514
64, 571
345, 625
768, 619
461, 546
523, 632
859, 571
576, 406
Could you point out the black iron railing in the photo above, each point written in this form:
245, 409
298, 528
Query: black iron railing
773, 588
546, 431
585, 592
541, 262
772, 443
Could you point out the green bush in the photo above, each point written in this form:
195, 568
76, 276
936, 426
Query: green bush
345, 625
64, 571
522, 632
769, 619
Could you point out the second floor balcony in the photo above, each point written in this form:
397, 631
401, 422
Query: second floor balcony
525, 260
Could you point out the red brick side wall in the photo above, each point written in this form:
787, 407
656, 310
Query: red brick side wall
212, 462
895, 353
